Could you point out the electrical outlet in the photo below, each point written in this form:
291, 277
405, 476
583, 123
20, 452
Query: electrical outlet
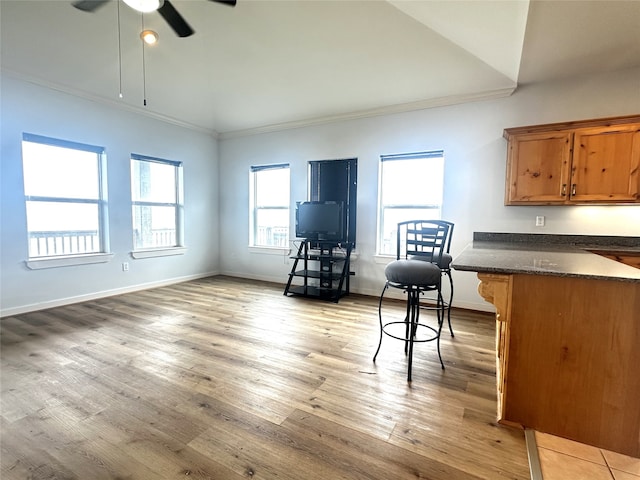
125, 266
540, 221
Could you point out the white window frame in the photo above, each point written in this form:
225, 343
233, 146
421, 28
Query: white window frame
255, 171
434, 209
68, 254
178, 247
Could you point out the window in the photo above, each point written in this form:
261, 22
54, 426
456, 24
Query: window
156, 193
269, 190
411, 188
65, 197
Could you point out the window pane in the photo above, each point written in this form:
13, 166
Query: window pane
156, 194
412, 182
270, 207
153, 181
56, 216
272, 229
62, 228
272, 187
52, 171
63, 197
154, 226
411, 188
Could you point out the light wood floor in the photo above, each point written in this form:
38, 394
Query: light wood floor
222, 378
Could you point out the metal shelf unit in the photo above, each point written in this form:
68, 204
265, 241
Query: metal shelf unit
321, 270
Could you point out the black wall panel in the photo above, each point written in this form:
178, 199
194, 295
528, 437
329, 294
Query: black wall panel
337, 181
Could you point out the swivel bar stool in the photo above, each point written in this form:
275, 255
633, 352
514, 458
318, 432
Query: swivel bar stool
416, 238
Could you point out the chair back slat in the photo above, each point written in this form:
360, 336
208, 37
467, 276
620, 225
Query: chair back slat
424, 239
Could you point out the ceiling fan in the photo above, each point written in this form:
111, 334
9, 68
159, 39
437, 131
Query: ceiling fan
163, 7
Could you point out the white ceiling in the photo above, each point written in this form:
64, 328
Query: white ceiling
265, 64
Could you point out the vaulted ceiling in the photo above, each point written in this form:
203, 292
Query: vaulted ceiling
265, 64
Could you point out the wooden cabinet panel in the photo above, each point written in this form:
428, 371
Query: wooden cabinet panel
606, 164
596, 161
573, 360
538, 167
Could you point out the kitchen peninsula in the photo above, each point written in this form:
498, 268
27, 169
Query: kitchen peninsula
567, 332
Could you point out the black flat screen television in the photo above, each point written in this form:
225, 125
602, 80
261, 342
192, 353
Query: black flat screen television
320, 221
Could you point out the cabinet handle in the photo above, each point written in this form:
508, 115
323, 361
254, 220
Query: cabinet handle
564, 189
573, 189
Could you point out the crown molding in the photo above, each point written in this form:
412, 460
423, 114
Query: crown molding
374, 112
309, 122
107, 101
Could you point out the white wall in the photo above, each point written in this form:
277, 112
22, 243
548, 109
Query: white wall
38, 110
475, 157
216, 219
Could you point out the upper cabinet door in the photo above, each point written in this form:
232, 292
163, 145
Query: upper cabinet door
572, 163
538, 168
606, 164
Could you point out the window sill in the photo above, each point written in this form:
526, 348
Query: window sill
159, 252
282, 251
383, 258
67, 261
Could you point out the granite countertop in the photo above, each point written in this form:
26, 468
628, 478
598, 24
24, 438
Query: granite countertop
558, 255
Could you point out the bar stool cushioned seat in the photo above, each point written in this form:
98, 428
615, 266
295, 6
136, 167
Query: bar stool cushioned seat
411, 272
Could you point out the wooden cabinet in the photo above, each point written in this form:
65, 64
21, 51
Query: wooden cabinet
568, 356
538, 167
606, 164
595, 161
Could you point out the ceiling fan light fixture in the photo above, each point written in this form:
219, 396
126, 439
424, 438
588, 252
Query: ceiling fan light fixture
144, 6
149, 37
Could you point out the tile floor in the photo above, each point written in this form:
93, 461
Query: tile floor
562, 459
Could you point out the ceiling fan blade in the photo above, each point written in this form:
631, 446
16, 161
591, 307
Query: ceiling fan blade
89, 5
231, 3
175, 20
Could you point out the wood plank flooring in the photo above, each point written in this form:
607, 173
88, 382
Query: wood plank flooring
223, 378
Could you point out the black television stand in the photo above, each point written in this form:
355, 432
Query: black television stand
320, 269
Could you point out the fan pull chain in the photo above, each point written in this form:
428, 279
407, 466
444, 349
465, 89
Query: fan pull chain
119, 53
144, 70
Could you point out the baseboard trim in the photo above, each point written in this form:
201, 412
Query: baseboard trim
7, 312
